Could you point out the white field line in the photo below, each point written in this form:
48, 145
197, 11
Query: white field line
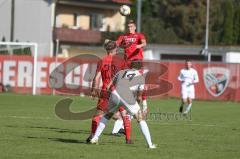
27, 117
189, 124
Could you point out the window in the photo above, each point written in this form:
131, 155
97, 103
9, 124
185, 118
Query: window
96, 21
76, 20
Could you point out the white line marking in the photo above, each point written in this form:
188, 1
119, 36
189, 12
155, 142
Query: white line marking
28, 117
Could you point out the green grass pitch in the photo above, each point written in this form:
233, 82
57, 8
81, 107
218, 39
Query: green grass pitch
29, 129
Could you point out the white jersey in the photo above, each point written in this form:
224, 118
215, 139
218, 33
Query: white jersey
127, 82
134, 79
188, 78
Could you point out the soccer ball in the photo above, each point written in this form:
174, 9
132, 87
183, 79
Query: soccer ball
125, 10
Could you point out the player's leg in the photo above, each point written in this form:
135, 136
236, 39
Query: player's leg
96, 119
145, 130
135, 110
191, 96
189, 106
101, 108
127, 124
181, 107
117, 124
144, 104
101, 126
184, 97
112, 108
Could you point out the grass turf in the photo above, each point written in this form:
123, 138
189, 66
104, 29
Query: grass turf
30, 129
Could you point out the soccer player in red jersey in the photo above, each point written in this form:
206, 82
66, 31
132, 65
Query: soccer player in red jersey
133, 43
107, 68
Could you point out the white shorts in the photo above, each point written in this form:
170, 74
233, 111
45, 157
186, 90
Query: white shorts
115, 101
188, 92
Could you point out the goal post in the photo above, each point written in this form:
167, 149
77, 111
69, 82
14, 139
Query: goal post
23, 48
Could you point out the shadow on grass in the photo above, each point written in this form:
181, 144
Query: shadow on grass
61, 130
73, 141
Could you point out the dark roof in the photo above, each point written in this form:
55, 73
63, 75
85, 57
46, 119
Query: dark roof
115, 1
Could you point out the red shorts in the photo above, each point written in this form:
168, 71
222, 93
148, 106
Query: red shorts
103, 101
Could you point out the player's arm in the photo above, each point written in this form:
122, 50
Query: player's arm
139, 95
141, 99
143, 42
195, 77
94, 90
120, 42
180, 77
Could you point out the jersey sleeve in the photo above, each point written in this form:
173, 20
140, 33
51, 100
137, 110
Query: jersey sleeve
119, 40
180, 76
141, 36
196, 79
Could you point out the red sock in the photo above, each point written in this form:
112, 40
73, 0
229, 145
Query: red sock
95, 120
127, 126
144, 95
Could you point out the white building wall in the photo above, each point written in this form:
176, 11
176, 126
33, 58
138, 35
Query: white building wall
32, 23
5, 18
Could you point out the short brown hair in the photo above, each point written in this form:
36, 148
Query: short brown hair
109, 45
131, 22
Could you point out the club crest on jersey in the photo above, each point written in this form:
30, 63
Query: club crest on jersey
216, 80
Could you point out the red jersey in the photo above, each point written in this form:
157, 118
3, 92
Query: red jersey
109, 66
129, 41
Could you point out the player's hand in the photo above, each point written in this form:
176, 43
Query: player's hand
94, 93
139, 99
145, 112
138, 46
189, 84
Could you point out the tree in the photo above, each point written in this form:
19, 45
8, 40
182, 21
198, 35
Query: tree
184, 21
227, 37
236, 27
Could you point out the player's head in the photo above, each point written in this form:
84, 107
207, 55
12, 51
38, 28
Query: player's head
131, 26
188, 64
136, 64
110, 46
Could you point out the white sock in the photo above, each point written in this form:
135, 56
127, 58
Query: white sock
117, 126
144, 103
100, 128
145, 131
189, 107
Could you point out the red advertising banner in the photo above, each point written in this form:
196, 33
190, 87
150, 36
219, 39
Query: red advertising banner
217, 81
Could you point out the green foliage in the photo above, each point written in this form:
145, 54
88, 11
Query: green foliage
236, 29
184, 21
157, 33
228, 23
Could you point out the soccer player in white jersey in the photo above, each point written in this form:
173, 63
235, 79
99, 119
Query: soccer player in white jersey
126, 89
188, 78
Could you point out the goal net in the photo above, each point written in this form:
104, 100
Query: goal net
18, 67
